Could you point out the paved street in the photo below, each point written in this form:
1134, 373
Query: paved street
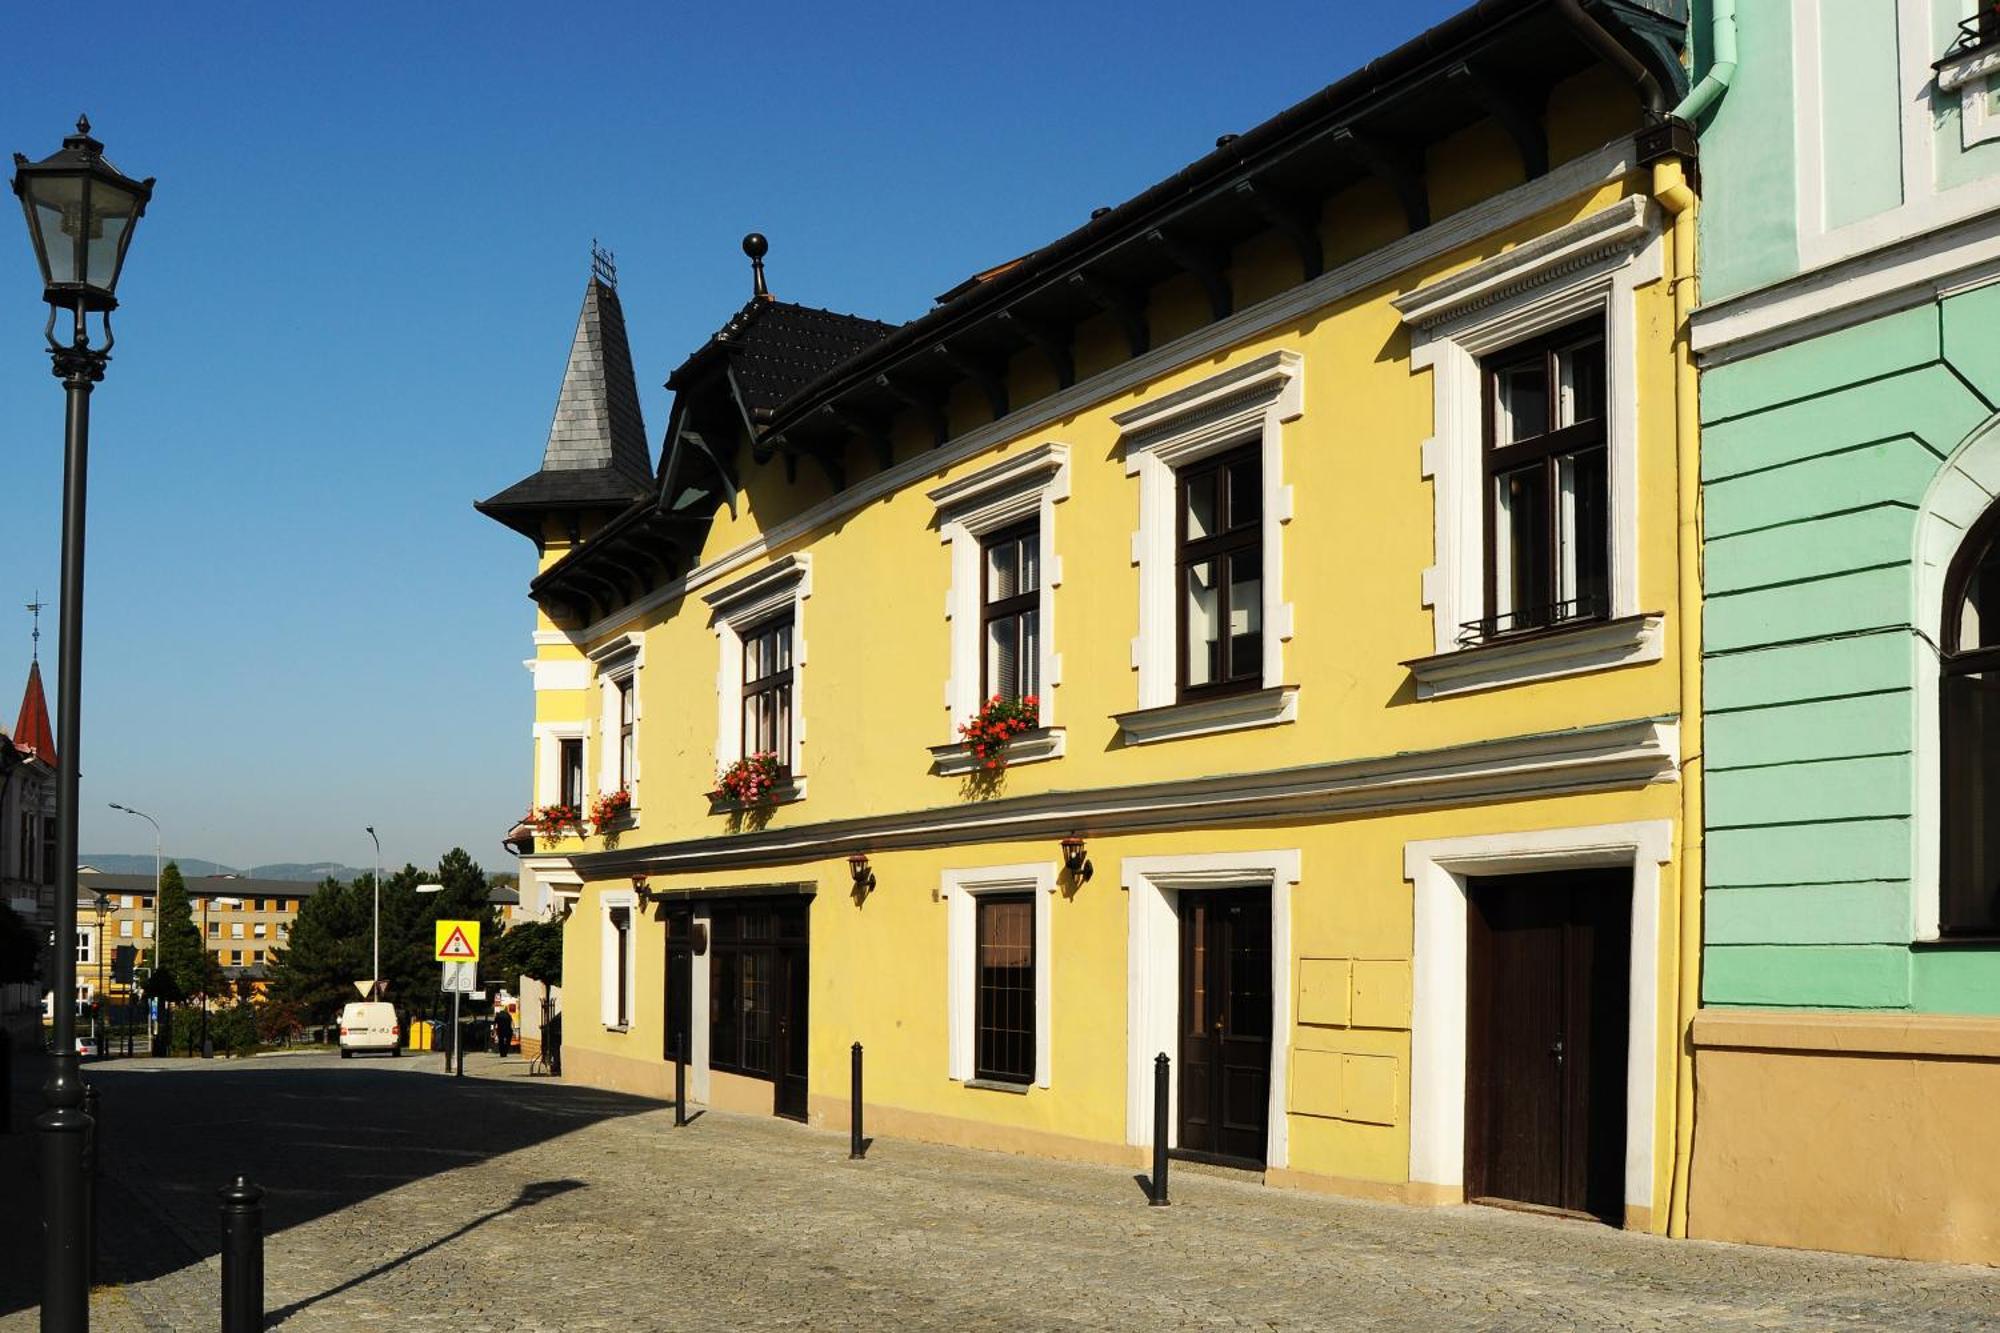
402, 1199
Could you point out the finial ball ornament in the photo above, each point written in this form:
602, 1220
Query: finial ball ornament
755, 245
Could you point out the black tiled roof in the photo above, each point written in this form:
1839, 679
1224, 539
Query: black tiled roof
198, 886
776, 348
569, 486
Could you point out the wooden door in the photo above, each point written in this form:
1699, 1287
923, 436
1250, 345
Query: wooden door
1547, 1006
1225, 1024
790, 1049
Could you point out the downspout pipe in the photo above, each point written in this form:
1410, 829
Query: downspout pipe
1721, 64
1676, 197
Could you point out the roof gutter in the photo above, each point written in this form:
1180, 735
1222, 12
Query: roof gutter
1721, 65
1600, 40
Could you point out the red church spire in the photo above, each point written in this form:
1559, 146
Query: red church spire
33, 732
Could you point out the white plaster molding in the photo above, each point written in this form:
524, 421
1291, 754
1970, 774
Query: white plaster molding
1438, 871
608, 960
1246, 403
1153, 886
959, 890
1586, 275
573, 674
1013, 490
1203, 717
618, 651
1587, 646
1957, 71
1030, 747
1611, 756
1612, 162
1608, 233
557, 638
548, 756
738, 606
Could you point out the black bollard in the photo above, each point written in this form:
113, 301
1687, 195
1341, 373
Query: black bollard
855, 1146
242, 1257
1161, 1069
680, 1080
91, 1143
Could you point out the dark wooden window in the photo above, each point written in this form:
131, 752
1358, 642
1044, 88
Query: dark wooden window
621, 945
1221, 548
569, 763
745, 947
1010, 612
767, 690
1547, 514
1969, 725
627, 712
1004, 1013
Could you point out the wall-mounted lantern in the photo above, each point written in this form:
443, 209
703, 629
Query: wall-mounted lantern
863, 875
1076, 860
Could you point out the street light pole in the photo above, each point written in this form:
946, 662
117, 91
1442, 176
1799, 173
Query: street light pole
375, 967
102, 907
81, 212
152, 954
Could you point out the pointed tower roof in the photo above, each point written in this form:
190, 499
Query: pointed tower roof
596, 456
32, 733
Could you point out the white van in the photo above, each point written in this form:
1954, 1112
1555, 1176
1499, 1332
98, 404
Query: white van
370, 1025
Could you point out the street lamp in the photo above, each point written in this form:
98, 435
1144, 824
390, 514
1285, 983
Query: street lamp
101, 905
208, 1051
375, 967
152, 954
81, 214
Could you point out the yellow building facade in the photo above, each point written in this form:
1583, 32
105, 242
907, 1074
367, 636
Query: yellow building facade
1354, 783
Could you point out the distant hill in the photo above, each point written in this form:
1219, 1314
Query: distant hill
311, 872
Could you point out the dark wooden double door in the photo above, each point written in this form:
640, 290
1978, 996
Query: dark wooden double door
1548, 962
759, 988
1225, 1025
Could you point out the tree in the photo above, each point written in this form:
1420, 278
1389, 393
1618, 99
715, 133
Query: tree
327, 951
532, 949
20, 951
183, 967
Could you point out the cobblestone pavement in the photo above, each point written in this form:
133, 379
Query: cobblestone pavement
400, 1198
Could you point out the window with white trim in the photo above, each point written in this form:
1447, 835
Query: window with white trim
999, 523
618, 952
1213, 506
1533, 460
86, 946
759, 624
998, 974
620, 714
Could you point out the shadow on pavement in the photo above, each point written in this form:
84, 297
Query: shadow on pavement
317, 1137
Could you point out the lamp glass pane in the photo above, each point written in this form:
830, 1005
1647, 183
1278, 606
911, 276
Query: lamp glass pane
112, 210
58, 205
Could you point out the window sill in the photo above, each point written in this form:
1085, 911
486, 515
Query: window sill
1225, 712
1572, 650
786, 795
1983, 941
998, 1085
1030, 747
628, 820
617, 1027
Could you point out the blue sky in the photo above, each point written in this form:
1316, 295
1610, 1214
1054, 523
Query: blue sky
346, 315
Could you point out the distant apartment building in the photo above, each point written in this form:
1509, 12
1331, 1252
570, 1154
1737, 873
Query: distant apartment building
242, 920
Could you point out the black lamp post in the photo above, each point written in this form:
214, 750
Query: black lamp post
81, 213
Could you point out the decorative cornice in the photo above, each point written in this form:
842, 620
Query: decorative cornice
768, 589
1546, 258
1612, 755
1024, 476
1596, 646
1203, 717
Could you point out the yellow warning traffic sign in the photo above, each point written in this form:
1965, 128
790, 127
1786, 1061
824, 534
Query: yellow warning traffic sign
458, 941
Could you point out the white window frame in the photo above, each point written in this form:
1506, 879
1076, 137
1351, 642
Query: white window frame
609, 961
236, 930
125, 929
146, 929
86, 946
960, 891
1438, 870
1248, 403
1026, 486
618, 661
784, 584
549, 737
1592, 266
1153, 885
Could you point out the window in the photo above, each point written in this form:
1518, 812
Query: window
85, 950
49, 858
767, 689
750, 946
146, 929
215, 930
284, 930
125, 929
570, 768
1220, 541
1969, 722
146, 901
130, 900
1010, 613
259, 930
236, 958
1548, 539
236, 930
256, 955
1004, 1021
626, 714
